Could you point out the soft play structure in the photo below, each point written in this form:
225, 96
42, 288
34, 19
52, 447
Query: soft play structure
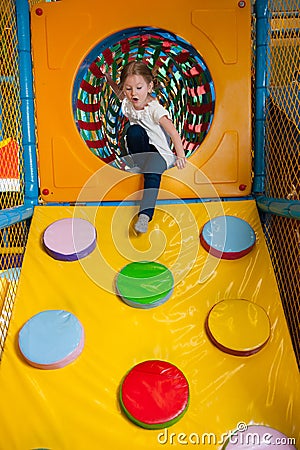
173, 338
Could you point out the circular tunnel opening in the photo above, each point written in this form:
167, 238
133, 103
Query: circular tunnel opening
186, 90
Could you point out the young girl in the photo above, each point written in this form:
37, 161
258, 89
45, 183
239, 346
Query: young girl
147, 135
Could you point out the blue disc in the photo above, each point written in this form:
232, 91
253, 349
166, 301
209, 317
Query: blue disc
227, 237
51, 339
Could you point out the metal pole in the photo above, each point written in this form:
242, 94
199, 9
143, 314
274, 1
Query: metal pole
261, 83
27, 102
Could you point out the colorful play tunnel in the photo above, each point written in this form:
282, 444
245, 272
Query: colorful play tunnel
199, 71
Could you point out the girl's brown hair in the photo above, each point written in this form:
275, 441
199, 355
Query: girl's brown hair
137, 68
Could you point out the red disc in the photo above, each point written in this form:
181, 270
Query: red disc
154, 394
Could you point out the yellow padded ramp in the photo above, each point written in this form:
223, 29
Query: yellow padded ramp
76, 407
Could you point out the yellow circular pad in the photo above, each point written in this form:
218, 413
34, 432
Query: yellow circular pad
238, 327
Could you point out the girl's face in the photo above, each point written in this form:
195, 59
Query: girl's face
137, 91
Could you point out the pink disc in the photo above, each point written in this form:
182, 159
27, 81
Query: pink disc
258, 437
70, 239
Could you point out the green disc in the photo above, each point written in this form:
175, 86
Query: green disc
145, 284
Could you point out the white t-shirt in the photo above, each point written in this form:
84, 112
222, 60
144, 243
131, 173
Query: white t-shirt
149, 118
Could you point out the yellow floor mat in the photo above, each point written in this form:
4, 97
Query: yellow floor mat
76, 407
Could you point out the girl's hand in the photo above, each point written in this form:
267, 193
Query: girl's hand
180, 162
111, 82
170, 129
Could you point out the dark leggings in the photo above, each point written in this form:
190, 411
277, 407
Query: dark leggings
151, 163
